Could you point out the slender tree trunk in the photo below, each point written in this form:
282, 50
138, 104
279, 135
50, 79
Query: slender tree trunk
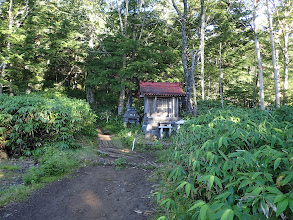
286, 26
122, 91
194, 61
185, 67
257, 48
255, 84
286, 62
11, 93
194, 98
3, 65
186, 71
10, 23
202, 40
221, 78
276, 74
123, 27
184, 53
209, 90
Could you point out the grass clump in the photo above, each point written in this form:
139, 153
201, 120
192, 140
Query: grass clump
120, 163
14, 194
9, 167
54, 163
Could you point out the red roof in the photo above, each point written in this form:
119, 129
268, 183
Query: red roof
161, 88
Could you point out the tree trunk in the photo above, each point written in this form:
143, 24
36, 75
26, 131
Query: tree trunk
90, 96
184, 54
122, 91
123, 27
255, 85
276, 74
121, 99
11, 93
286, 62
2, 76
257, 49
202, 40
194, 61
221, 78
186, 71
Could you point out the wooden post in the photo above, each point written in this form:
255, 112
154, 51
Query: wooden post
173, 107
176, 107
155, 106
145, 106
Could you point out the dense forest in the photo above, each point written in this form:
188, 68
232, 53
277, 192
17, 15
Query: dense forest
100, 50
68, 65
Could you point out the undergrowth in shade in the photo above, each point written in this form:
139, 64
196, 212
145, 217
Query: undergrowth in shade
231, 164
28, 122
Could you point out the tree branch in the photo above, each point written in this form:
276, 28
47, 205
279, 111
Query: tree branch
176, 8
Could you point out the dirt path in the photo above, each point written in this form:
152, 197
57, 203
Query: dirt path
99, 192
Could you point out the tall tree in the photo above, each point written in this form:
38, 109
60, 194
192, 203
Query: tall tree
202, 41
188, 72
221, 77
275, 68
123, 29
284, 15
257, 49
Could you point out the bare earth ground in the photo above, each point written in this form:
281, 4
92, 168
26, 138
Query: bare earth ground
98, 192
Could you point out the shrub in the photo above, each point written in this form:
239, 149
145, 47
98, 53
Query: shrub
30, 121
231, 164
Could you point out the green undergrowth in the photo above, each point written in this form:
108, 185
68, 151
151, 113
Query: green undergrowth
123, 136
9, 167
16, 193
55, 163
52, 165
28, 122
57, 132
132, 137
120, 163
230, 164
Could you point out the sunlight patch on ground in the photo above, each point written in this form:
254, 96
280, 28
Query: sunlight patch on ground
104, 137
91, 199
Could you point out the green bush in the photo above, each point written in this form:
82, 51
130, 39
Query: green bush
232, 164
30, 121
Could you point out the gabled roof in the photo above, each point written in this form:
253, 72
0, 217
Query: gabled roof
161, 88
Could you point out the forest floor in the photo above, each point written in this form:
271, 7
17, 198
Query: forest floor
118, 187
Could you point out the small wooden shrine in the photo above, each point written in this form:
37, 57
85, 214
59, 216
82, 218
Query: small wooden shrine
161, 106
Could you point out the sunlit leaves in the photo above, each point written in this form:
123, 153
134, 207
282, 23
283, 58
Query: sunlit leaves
228, 215
235, 170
